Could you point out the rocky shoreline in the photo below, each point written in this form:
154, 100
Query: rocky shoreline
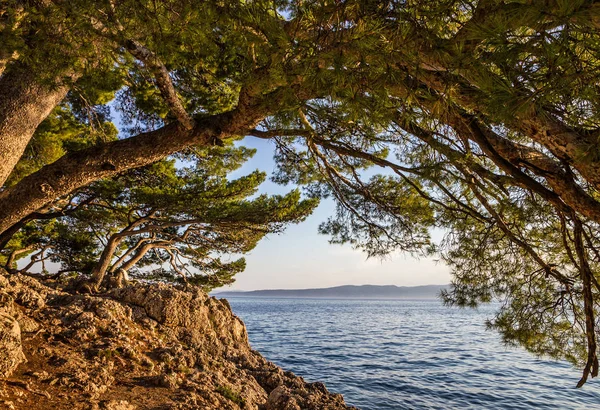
143, 346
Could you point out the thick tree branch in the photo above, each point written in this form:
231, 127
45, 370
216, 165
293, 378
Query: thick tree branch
79, 168
127, 253
509, 155
564, 142
25, 101
141, 252
113, 242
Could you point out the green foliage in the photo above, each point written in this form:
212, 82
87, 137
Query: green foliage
392, 216
479, 118
60, 133
168, 222
231, 394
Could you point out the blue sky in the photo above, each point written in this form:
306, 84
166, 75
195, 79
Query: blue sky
301, 258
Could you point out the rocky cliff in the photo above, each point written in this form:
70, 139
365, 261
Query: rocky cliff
144, 346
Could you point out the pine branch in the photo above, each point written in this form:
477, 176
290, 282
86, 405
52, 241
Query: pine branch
163, 81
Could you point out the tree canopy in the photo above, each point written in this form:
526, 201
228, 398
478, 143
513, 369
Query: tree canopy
163, 221
480, 117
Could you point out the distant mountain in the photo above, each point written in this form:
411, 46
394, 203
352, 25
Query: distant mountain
345, 292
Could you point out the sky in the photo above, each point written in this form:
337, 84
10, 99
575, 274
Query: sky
302, 258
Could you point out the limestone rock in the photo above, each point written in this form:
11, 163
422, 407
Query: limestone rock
11, 351
27, 324
117, 405
7, 305
282, 399
30, 299
112, 405
169, 380
141, 346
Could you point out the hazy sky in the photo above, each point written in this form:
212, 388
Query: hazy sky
301, 258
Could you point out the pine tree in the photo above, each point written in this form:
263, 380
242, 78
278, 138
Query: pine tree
164, 222
481, 115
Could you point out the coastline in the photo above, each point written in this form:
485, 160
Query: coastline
139, 347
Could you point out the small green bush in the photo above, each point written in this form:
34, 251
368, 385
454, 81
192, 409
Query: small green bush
230, 394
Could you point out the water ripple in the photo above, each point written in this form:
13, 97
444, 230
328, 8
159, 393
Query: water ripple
408, 355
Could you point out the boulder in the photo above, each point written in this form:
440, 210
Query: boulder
281, 399
11, 351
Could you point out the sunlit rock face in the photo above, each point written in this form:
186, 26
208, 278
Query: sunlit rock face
140, 346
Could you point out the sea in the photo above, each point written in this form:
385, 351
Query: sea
408, 354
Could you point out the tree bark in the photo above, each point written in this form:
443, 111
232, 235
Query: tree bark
104, 262
25, 102
566, 143
163, 81
498, 149
138, 255
129, 251
109, 250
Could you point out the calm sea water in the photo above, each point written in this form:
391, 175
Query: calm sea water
408, 355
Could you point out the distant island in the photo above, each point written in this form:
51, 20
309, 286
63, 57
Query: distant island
344, 292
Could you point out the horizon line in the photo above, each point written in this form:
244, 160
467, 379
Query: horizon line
221, 290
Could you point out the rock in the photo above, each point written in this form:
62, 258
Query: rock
318, 386
169, 381
7, 305
281, 399
117, 405
112, 405
30, 299
11, 350
28, 325
42, 375
110, 352
4, 282
9, 405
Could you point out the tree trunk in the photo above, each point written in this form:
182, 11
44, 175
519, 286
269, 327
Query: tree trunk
138, 255
109, 250
104, 262
24, 103
129, 251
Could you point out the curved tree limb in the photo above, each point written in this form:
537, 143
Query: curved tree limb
163, 81
79, 168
